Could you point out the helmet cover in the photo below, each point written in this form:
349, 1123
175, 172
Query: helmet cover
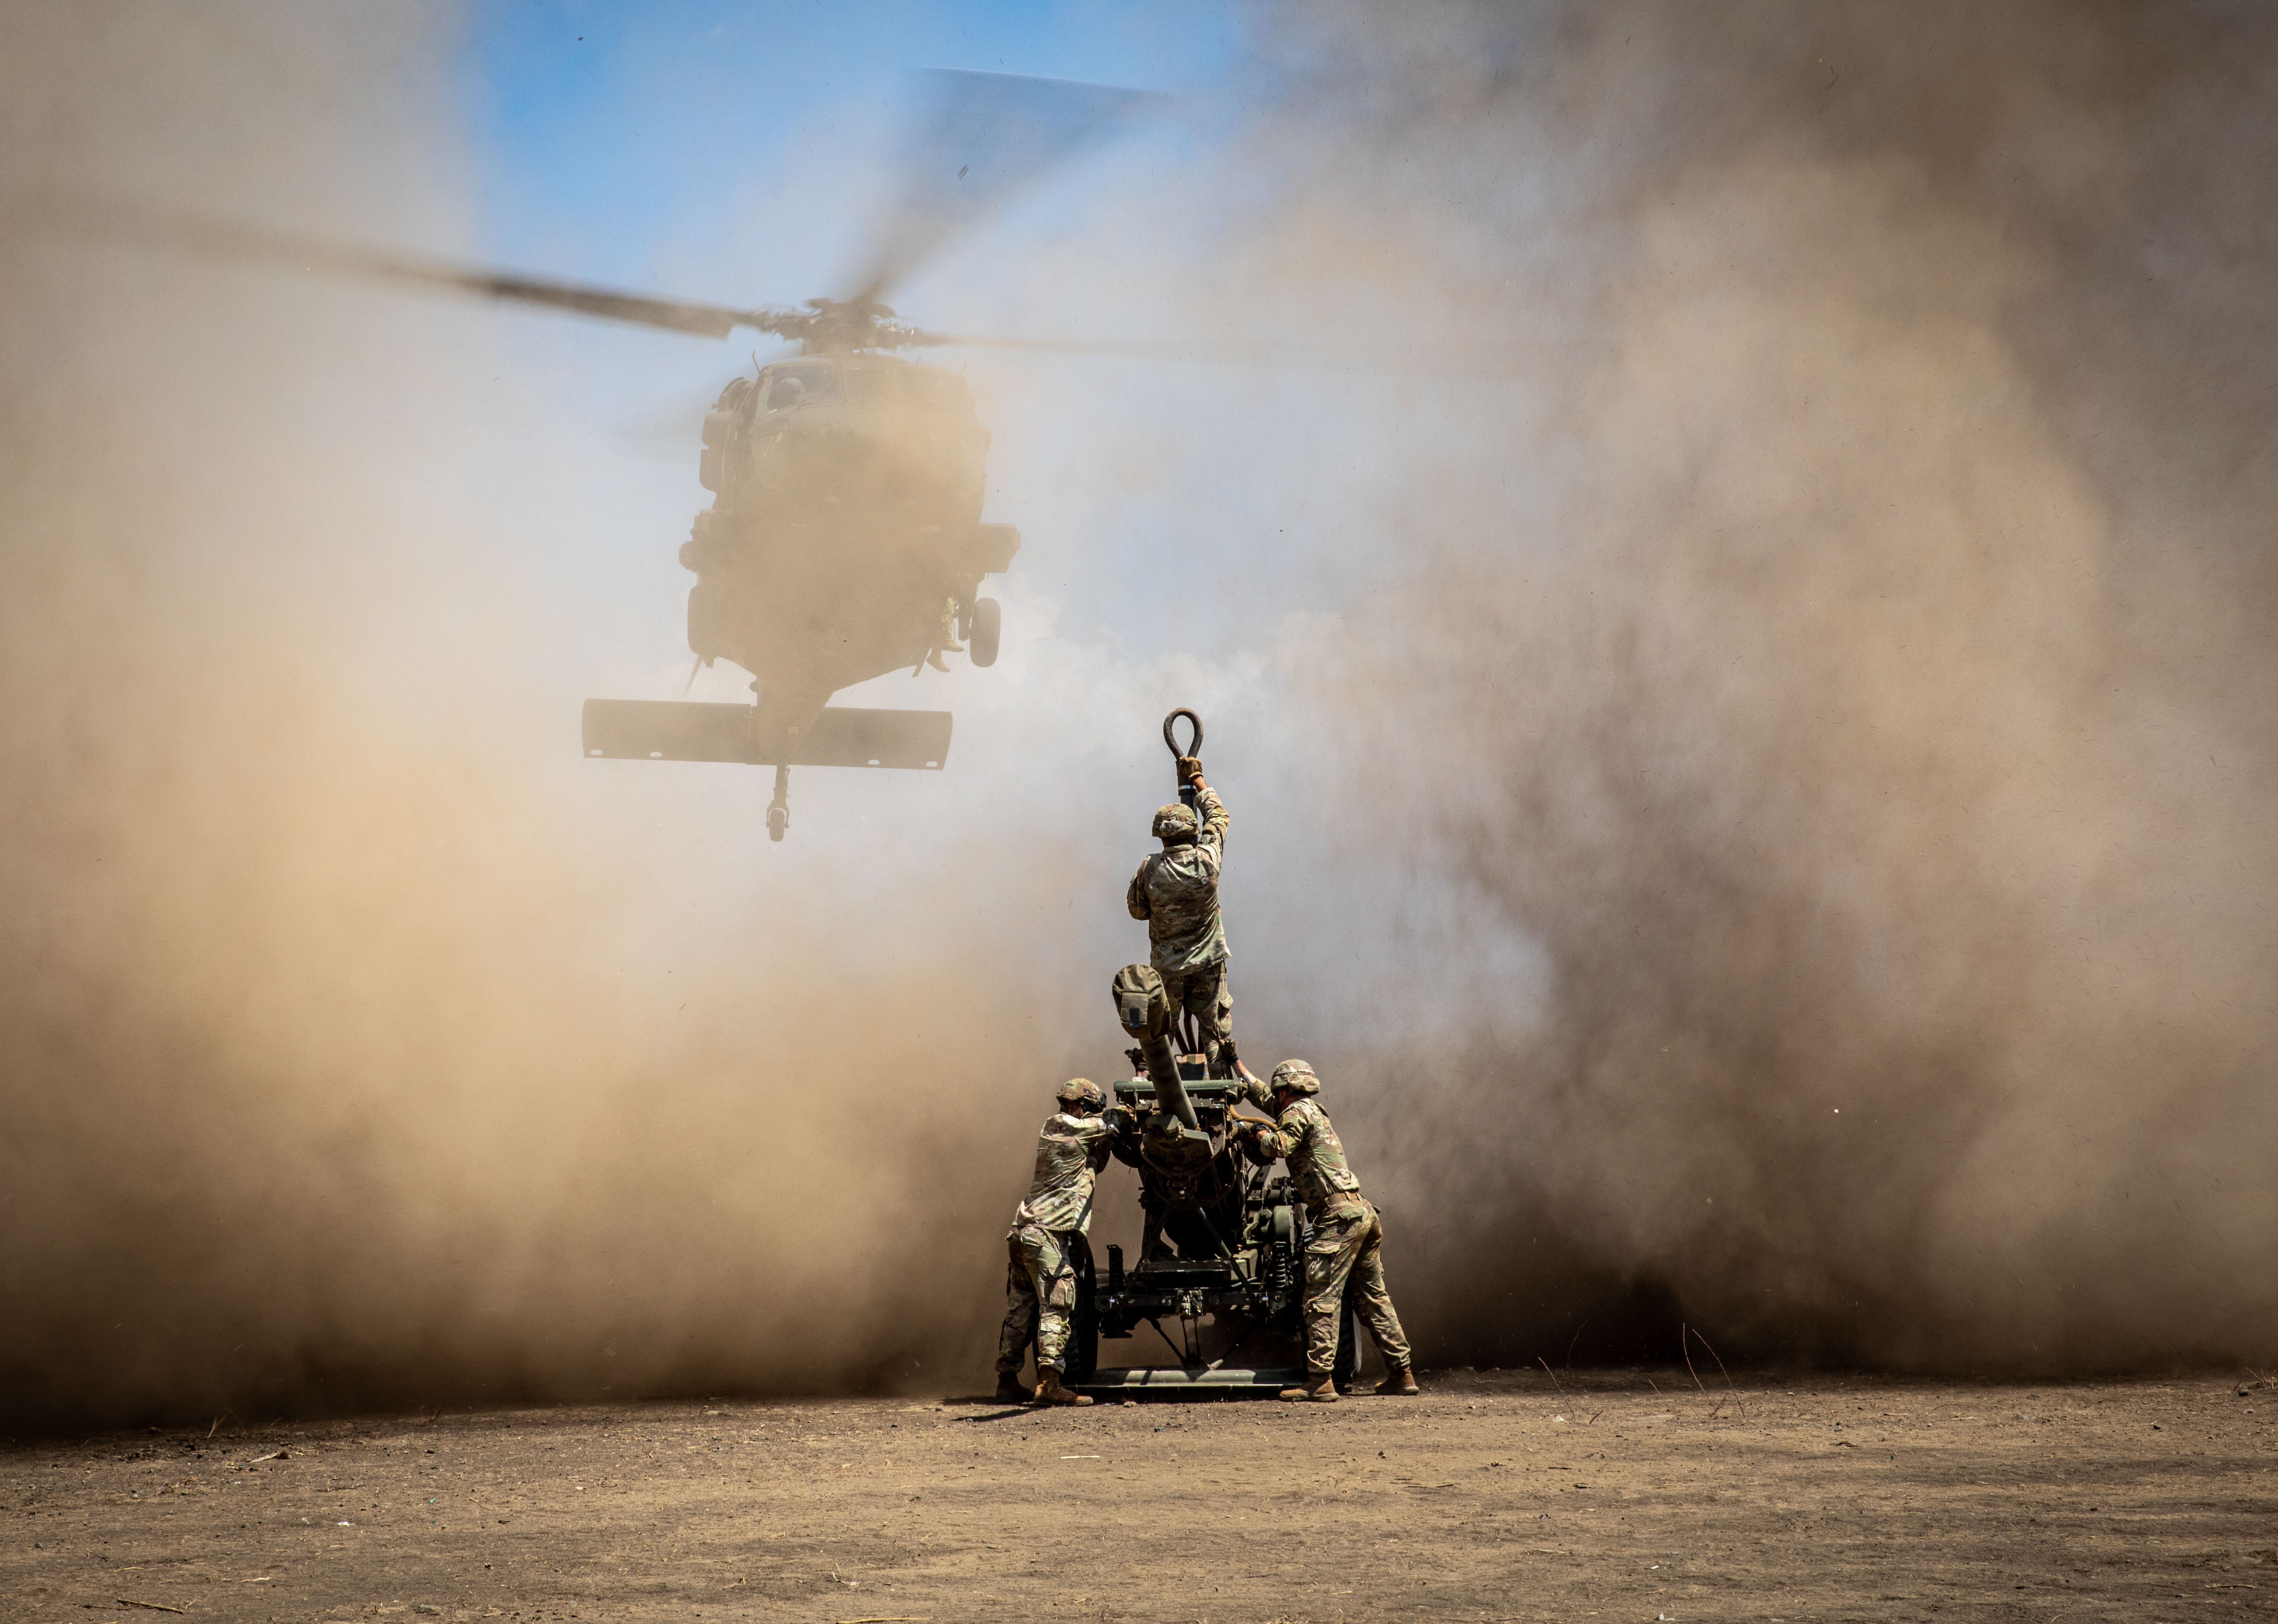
1080, 1090
1297, 1076
1175, 821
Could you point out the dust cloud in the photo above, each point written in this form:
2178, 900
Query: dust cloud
350, 1057
1756, 810
1846, 653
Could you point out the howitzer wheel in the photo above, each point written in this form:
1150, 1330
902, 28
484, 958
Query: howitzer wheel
1081, 1358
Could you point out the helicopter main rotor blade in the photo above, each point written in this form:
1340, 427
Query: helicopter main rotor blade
1476, 360
1123, 349
150, 227
979, 140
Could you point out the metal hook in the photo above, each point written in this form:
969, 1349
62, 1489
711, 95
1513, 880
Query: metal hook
1194, 748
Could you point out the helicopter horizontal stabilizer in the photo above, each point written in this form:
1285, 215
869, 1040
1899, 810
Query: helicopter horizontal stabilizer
686, 730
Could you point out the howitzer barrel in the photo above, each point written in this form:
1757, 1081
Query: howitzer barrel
1163, 1071
1144, 1008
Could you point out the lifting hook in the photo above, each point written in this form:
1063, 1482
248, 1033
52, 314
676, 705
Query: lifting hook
1195, 749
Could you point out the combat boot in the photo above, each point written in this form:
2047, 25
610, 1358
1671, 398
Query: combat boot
1399, 1382
1316, 1390
1010, 1389
1048, 1390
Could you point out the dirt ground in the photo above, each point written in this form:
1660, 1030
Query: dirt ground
1494, 1496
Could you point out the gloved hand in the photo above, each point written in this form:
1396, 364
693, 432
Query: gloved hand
1190, 768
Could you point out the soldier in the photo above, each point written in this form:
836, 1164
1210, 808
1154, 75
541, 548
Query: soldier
1348, 1235
1040, 1285
1175, 892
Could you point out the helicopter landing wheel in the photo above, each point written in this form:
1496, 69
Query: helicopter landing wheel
987, 625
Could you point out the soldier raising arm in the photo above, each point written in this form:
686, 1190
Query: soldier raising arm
1347, 1233
1175, 892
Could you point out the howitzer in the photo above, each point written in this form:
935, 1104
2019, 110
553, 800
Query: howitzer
1219, 1272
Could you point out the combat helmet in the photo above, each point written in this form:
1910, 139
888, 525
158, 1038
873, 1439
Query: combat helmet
1175, 822
1297, 1076
1080, 1090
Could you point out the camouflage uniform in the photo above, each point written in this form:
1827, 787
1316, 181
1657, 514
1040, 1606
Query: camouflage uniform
1176, 892
1347, 1233
1040, 1283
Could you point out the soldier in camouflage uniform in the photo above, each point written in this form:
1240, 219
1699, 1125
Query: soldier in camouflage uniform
1347, 1233
1040, 1284
1176, 892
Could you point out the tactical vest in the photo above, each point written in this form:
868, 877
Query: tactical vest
1317, 1162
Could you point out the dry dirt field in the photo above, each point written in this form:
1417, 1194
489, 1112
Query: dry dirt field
1494, 1496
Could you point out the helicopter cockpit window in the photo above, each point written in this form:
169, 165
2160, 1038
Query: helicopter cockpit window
789, 386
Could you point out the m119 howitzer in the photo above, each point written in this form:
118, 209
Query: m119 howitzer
1224, 1242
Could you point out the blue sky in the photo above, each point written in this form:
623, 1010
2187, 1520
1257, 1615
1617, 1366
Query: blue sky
626, 137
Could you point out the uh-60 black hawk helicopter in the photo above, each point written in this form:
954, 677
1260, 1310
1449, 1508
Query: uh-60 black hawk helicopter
844, 537
844, 541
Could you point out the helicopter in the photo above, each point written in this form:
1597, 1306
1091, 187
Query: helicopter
844, 541
844, 537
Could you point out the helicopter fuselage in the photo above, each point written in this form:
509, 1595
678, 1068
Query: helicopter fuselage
844, 537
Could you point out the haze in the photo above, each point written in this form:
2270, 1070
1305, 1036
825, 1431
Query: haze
1738, 660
